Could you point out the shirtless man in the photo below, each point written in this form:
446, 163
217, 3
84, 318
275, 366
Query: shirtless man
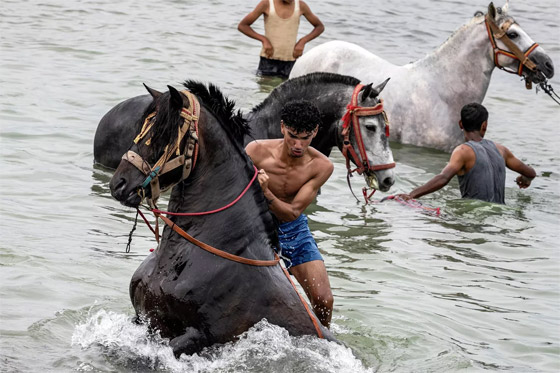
479, 164
290, 174
281, 23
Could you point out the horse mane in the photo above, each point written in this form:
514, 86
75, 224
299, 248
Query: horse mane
223, 108
304, 81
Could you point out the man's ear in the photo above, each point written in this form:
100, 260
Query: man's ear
484, 126
461, 125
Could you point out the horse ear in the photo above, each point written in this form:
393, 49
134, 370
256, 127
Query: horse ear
176, 101
492, 10
377, 90
366, 92
505, 8
155, 94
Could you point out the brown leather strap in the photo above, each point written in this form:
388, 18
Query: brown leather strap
501, 34
313, 319
218, 252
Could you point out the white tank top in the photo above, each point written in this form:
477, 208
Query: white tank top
282, 32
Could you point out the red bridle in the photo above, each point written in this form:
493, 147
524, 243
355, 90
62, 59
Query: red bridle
351, 120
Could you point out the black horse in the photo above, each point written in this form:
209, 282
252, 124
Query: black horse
194, 297
332, 93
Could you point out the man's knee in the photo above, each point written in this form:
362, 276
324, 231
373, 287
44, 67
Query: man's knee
323, 298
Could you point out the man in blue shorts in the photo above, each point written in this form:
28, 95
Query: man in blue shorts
290, 174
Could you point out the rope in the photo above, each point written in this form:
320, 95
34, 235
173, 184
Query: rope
127, 249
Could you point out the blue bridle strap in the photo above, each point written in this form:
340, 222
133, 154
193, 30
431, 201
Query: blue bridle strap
150, 177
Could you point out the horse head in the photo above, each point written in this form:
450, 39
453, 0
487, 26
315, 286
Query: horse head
162, 153
513, 49
365, 127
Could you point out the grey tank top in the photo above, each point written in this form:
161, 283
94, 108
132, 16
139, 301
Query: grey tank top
487, 179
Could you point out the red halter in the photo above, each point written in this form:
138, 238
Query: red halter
353, 112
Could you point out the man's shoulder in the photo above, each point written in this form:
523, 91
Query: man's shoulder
261, 147
321, 163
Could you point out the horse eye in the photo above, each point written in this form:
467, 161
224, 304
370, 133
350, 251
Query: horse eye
512, 35
371, 127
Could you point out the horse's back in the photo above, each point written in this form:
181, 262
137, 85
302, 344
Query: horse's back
340, 57
116, 130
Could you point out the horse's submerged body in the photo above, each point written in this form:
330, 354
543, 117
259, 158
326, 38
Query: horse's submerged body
331, 93
194, 297
425, 97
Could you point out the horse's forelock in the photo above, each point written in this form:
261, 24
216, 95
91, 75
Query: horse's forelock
165, 128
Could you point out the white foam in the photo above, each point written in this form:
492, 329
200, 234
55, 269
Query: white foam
264, 347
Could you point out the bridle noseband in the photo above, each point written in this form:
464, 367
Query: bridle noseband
350, 121
500, 32
185, 157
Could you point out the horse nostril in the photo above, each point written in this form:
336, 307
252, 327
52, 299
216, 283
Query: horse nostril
388, 181
550, 68
117, 187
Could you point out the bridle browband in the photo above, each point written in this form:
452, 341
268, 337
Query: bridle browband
500, 32
185, 157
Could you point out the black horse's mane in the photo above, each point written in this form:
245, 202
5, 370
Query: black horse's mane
304, 81
223, 108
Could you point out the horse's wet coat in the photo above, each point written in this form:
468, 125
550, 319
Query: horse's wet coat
330, 92
191, 296
424, 98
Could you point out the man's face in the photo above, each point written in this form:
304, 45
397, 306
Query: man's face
297, 142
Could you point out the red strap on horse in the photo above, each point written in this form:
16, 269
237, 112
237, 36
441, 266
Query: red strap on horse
351, 120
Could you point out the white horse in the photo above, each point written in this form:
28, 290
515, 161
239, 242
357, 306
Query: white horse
424, 98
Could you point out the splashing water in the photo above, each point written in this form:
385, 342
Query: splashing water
263, 348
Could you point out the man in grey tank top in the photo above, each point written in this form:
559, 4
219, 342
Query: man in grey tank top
478, 163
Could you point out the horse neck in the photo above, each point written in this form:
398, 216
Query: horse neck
221, 173
462, 65
330, 98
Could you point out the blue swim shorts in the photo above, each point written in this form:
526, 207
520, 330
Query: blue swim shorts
296, 242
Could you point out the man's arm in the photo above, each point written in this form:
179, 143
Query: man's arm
456, 163
514, 164
318, 29
285, 211
245, 27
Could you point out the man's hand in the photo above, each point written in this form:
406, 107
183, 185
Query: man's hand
298, 49
523, 182
268, 49
404, 197
263, 180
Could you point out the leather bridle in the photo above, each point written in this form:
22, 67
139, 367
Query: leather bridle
350, 121
185, 157
500, 32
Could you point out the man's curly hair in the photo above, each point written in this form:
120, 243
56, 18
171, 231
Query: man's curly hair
301, 116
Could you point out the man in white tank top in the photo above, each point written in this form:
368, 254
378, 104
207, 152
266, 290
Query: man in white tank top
280, 47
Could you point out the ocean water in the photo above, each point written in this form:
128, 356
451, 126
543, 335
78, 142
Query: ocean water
475, 288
